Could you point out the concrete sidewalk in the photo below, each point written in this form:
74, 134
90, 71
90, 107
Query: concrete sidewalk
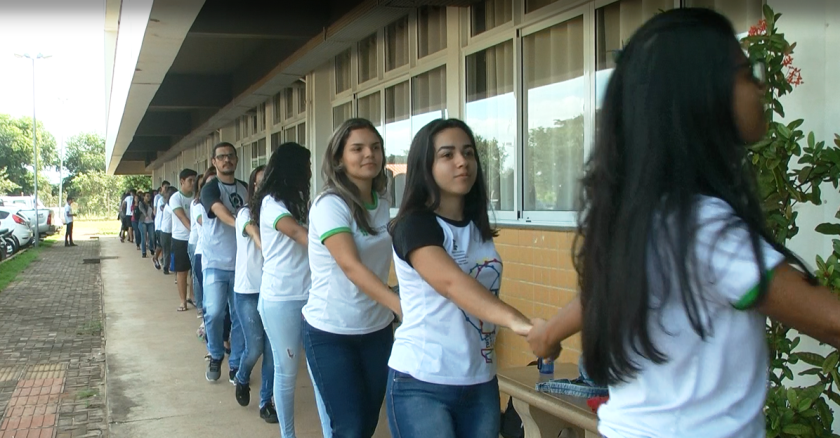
155, 377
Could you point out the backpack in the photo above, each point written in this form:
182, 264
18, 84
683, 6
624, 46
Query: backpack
511, 423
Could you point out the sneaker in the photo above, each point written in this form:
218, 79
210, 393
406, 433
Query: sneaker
214, 370
156, 262
243, 393
144, 256
73, 244
166, 271
232, 376
268, 413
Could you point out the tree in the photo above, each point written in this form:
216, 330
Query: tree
136, 182
97, 194
7, 187
85, 154
17, 153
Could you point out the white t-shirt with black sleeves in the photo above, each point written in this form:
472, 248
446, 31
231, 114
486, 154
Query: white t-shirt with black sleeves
249, 258
707, 388
166, 219
335, 304
180, 201
285, 275
438, 342
196, 213
219, 244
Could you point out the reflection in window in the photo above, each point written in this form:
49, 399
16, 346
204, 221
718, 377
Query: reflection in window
431, 30
487, 14
428, 98
301, 132
491, 113
370, 108
277, 107
289, 134
276, 140
342, 71
533, 5
288, 96
742, 13
263, 157
367, 58
300, 91
554, 104
397, 138
342, 113
396, 44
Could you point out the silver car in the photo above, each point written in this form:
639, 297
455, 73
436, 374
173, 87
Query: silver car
11, 218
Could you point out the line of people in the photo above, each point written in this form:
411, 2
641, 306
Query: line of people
677, 271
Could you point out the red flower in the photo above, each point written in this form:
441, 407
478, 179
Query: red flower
794, 76
759, 29
788, 60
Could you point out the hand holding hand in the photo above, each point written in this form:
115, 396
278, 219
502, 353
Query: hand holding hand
521, 327
539, 343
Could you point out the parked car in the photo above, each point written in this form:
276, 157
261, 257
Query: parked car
11, 218
46, 224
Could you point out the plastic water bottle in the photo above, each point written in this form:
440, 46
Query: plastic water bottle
546, 367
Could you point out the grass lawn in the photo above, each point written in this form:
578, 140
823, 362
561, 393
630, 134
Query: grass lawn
10, 269
83, 229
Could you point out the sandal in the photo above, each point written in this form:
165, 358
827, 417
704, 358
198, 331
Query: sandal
182, 308
190, 302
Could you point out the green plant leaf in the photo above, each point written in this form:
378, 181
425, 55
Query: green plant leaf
795, 124
833, 396
829, 229
804, 404
811, 140
826, 416
797, 429
811, 358
810, 372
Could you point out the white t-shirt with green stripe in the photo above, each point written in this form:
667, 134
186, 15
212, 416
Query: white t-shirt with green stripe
707, 388
285, 274
335, 304
249, 259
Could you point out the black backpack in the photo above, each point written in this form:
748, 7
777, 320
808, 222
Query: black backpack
511, 423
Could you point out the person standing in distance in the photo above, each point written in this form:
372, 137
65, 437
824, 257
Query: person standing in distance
158, 207
68, 221
180, 205
222, 199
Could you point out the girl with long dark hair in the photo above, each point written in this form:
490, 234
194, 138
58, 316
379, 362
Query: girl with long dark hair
194, 247
280, 208
146, 222
677, 270
450, 275
347, 332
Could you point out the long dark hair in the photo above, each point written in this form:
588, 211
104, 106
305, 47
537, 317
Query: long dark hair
642, 181
200, 181
252, 181
422, 193
335, 177
287, 179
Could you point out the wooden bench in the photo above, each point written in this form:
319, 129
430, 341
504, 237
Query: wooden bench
545, 415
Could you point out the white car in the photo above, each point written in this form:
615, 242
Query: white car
11, 218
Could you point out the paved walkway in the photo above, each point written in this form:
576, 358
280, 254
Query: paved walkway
52, 367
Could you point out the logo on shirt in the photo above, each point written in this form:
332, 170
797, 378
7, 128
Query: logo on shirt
489, 274
235, 201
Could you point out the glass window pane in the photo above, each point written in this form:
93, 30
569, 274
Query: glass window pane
276, 140
491, 113
742, 13
254, 150
396, 44
397, 135
261, 146
431, 30
278, 107
342, 113
488, 14
301, 99
342, 71
533, 5
289, 134
370, 108
367, 58
289, 107
301, 133
554, 102
428, 98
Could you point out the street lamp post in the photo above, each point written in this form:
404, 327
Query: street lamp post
35, 141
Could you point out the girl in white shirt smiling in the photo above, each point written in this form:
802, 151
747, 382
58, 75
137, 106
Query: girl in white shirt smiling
450, 275
347, 331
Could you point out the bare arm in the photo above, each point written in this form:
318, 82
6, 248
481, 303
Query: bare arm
546, 337
813, 310
343, 250
182, 217
254, 232
288, 226
438, 269
223, 214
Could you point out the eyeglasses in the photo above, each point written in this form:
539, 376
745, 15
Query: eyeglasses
225, 157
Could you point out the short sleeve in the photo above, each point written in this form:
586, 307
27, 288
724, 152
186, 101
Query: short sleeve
210, 194
728, 263
272, 211
175, 202
330, 216
416, 231
243, 218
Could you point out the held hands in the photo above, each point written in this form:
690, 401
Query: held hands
538, 340
521, 326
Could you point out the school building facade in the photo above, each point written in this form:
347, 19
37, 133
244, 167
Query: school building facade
527, 75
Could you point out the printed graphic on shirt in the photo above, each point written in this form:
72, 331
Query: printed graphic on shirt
488, 272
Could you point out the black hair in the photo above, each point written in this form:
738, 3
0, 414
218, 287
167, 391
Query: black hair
252, 180
186, 173
640, 189
164, 183
287, 178
335, 176
199, 183
223, 144
422, 193
171, 191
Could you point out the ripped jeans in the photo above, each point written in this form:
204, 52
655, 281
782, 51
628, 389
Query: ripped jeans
283, 323
256, 344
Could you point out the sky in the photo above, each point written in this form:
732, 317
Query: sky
69, 86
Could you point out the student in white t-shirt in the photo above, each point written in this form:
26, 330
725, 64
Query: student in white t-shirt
348, 330
68, 222
180, 203
450, 275
158, 213
196, 219
166, 229
678, 272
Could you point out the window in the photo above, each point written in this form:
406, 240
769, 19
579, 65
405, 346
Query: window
370, 108
490, 111
342, 113
258, 153
288, 96
300, 93
487, 14
533, 5
554, 99
277, 101
428, 98
397, 138
342, 72
367, 58
301, 132
396, 44
276, 140
237, 129
742, 13
261, 117
431, 30
290, 134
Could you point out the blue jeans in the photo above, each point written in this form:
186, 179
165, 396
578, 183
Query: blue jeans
147, 237
322, 410
351, 373
256, 344
135, 225
419, 409
284, 325
198, 288
218, 295
582, 386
